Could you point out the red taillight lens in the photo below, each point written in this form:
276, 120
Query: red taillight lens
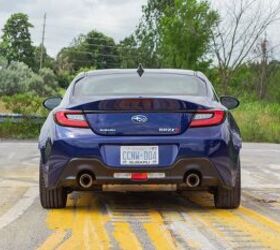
204, 118
139, 176
71, 118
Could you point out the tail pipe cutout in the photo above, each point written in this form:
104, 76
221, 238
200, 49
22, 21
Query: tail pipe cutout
86, 180
193, 179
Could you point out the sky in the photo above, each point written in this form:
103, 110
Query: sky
66, 19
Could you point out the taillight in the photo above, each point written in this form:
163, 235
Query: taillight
204, 118
71, 118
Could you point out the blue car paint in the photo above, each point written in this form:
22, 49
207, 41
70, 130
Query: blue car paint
220, 144
121, 124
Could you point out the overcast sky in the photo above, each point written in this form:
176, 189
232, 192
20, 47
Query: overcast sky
68, 18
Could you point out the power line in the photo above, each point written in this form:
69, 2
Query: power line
88, 52
100, 54
104, 45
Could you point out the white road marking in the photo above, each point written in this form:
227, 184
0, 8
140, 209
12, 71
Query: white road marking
19, 208
17, 183
18, 143
274, 166
11, 155
192, 232
271, 173
260, 150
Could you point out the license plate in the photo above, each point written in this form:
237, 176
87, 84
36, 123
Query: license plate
139, 155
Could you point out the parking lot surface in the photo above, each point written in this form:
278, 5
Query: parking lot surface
148, 220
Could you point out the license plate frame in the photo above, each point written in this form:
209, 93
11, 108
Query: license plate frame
139, 155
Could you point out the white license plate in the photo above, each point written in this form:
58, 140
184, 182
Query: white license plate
139, 155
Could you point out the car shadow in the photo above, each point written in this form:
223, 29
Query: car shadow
130, 203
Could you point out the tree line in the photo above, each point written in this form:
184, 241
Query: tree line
230, 45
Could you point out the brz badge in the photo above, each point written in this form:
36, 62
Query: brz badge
139, 119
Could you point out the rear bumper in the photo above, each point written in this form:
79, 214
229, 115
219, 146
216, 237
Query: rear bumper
214, 154
104, 175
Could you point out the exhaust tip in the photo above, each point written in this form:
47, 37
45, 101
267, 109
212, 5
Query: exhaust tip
86, 180
193, 180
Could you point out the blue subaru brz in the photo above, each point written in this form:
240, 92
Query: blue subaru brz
159, 129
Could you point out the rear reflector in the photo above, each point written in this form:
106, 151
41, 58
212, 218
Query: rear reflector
156, 175
122, 175
71, 118
204, 118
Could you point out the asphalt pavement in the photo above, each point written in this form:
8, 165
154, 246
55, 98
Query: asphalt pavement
151, 220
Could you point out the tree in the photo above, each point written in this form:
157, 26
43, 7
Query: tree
48, 61
129, 53
16, 42
147, 33
94, 50
175, 33
101, 49
239, 29
185, 34
3, 62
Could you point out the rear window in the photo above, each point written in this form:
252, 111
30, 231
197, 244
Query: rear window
148, 84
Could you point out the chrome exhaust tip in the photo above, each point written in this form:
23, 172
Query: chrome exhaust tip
193, 180
86, 180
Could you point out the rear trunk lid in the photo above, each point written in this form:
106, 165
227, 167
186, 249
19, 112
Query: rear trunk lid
141, 116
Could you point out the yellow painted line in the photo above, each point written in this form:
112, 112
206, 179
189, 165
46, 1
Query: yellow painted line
85, 226
259, 218
54, 240
260, 229
125, 237
159, 235
209, 225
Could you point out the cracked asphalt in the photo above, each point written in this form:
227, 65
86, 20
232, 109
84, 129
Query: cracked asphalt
160, 220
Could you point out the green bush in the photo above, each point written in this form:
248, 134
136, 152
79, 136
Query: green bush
259, 121
25, 104
25, 129
44, 84
14, 78
18, 78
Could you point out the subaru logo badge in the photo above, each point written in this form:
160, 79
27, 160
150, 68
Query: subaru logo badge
139, 119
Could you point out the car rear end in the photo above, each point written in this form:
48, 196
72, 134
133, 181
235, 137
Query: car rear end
139, 136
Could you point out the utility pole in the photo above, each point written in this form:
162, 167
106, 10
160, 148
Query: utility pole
263, 68
43, 41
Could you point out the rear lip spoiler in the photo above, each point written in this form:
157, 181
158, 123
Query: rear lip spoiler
141, 111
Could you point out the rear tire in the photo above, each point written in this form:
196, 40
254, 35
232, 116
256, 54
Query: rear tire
229, 198
51, 198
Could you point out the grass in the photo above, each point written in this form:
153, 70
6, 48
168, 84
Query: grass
259, 121
21, 130
3, 108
